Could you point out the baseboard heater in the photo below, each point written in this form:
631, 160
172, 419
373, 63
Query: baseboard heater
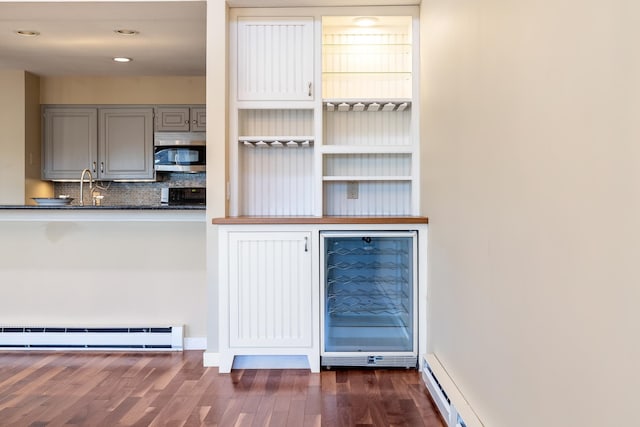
151, 338
453, 407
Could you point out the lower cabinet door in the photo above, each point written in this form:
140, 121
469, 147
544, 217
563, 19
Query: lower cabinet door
270, 283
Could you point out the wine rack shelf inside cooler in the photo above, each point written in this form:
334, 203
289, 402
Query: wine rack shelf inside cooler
368, 279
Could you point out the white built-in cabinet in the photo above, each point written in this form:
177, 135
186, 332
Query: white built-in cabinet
269, 286
274, 58
324, 112
323, 122
112, 142
267, 295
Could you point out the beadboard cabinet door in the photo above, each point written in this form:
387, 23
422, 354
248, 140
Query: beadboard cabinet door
267, 294
275, 59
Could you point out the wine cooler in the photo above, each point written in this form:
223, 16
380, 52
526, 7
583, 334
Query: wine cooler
369, 286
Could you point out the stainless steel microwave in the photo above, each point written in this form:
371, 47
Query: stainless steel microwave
180, 152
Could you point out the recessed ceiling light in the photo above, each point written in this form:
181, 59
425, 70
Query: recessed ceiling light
365, 21
27, 33
122, 59
126, 32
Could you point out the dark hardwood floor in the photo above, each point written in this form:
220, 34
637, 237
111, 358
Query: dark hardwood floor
174, 389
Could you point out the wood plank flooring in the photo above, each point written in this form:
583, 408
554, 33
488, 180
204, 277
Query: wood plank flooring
174, 389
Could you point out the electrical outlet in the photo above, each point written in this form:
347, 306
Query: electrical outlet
352, 190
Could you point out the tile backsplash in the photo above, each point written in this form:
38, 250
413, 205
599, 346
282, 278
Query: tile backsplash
131, 193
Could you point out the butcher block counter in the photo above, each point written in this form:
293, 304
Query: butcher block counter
381, 220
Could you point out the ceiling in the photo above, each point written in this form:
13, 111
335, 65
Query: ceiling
79, 38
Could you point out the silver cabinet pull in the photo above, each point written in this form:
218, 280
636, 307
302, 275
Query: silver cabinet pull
94, 167
101, 167
309, 86
306, 244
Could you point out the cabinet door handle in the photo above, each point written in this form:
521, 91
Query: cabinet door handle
306, 244
94, 167
101, 167
309, 87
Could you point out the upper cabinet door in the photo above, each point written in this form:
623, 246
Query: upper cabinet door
181, 119
275, 59
173, 119
69, 142
126, 143
199, 119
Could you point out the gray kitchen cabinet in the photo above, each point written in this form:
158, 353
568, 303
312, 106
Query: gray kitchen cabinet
70, 142
113, 142
181, 119
125, 143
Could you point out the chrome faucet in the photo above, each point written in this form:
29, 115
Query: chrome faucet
82, 182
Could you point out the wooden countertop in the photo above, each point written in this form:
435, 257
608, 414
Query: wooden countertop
239, 220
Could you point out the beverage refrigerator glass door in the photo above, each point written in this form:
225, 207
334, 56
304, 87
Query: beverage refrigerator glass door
369, 286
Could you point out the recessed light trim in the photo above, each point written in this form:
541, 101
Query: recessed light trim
126, 32
122, 59
27, 33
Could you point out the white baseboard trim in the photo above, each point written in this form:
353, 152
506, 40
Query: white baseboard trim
453, 406
195, 343
211, 359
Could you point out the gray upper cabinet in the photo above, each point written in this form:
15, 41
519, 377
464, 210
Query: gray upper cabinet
70, 142
113, 143
181, 119
125, 143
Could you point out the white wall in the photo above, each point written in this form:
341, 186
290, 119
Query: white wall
531, 177
12, 138
103, 273
217, 46
123, 90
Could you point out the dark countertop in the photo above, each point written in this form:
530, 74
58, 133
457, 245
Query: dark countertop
108, 207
